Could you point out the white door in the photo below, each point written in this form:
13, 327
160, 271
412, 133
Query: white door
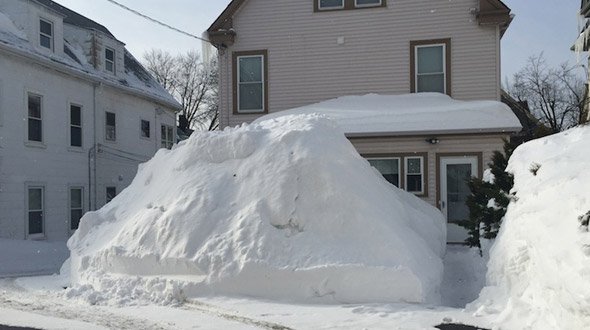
454, 175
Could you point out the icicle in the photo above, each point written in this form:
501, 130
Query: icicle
208, 51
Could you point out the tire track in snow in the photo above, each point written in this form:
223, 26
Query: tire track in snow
212, 310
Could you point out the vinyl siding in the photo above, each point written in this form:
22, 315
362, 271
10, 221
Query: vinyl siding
486, 144
307, 65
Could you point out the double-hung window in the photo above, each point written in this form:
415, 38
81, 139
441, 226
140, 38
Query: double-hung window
145, 129
109, 59
76, 206
415, 175
367, 3
46, 34
35, 202
431, 66
389, 168
35, 122
75, 126
330, 4
167, 136
110, 126
250, 82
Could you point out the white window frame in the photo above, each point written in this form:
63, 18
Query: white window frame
444, 65
40, 119
330, 8
51, 37
262, 77
399, 168
77, 126
106, 125
70, 208
38, 236
407, 173
113, 62
356, 5
165, 140
149, 137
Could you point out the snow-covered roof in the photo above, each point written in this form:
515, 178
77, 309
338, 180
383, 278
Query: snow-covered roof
135, 78
410, 114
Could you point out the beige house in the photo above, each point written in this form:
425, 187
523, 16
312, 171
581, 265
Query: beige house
276, 55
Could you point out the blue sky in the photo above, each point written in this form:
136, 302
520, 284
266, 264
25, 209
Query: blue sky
548, 26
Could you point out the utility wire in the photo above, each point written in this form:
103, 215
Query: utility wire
156, 21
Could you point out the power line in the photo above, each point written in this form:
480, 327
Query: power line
156, 21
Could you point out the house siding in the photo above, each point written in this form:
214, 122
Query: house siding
54, 164
458, 144
308, 65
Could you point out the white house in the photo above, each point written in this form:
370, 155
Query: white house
78, 113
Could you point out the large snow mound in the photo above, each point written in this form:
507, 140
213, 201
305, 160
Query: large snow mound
408, 114
284, 209
539, 269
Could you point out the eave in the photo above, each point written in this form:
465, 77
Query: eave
494, 12
221, 32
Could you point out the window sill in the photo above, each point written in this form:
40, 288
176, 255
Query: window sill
34, 144
147, 139
37, 237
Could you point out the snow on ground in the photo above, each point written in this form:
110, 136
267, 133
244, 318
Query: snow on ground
285, 209
25, 258
411, 113
539, 269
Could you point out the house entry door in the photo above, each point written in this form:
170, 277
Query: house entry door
455, 173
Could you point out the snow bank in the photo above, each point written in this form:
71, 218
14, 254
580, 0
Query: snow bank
423, 113
539, 269
284, 209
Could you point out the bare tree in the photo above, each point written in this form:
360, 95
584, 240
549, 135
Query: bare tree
556, 96
193, 83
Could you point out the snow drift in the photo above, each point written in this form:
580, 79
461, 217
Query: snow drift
539, 269
282, 209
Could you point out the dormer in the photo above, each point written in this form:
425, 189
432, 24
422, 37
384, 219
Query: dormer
109, 54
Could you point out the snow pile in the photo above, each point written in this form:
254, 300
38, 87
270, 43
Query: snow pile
412, 113
284, 209
7, 26
539, 269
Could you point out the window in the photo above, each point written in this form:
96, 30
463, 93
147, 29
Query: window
109, 59
46, 34
430, 66
389, 168
111, 127
145, 129
367, 3
337, 5
76, 206
75, 126
250, 85
167, 136
111, 193
35, 124
35, 211
330, 4
415, 175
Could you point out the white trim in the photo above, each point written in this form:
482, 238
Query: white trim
83, 208
105, 126
444, 65
399, 167
114, 61
356, 5
29, 186
51, 37
41, 144
330, 8
147, 138
167, 140
444, 161
81, 126
406, 173
262, 63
